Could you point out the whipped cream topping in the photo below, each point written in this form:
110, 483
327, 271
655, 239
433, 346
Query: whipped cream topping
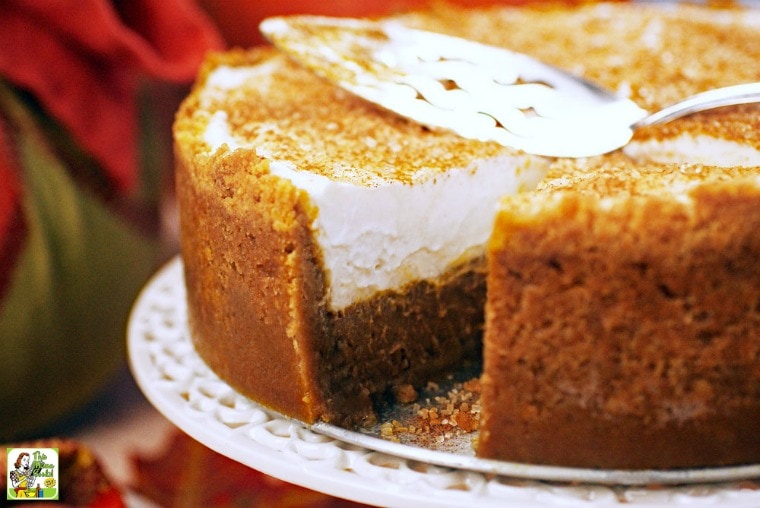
375, 238
690, 149
383, 236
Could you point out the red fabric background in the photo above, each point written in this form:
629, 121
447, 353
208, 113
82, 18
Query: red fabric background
83, 61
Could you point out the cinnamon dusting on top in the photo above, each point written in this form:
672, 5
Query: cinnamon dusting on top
616, 175
660, 53
654, 54
328, 131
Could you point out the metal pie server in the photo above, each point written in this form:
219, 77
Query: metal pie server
476, 90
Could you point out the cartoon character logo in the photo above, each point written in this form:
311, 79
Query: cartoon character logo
32, 473
22, 477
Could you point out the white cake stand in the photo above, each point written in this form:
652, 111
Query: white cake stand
366, 469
